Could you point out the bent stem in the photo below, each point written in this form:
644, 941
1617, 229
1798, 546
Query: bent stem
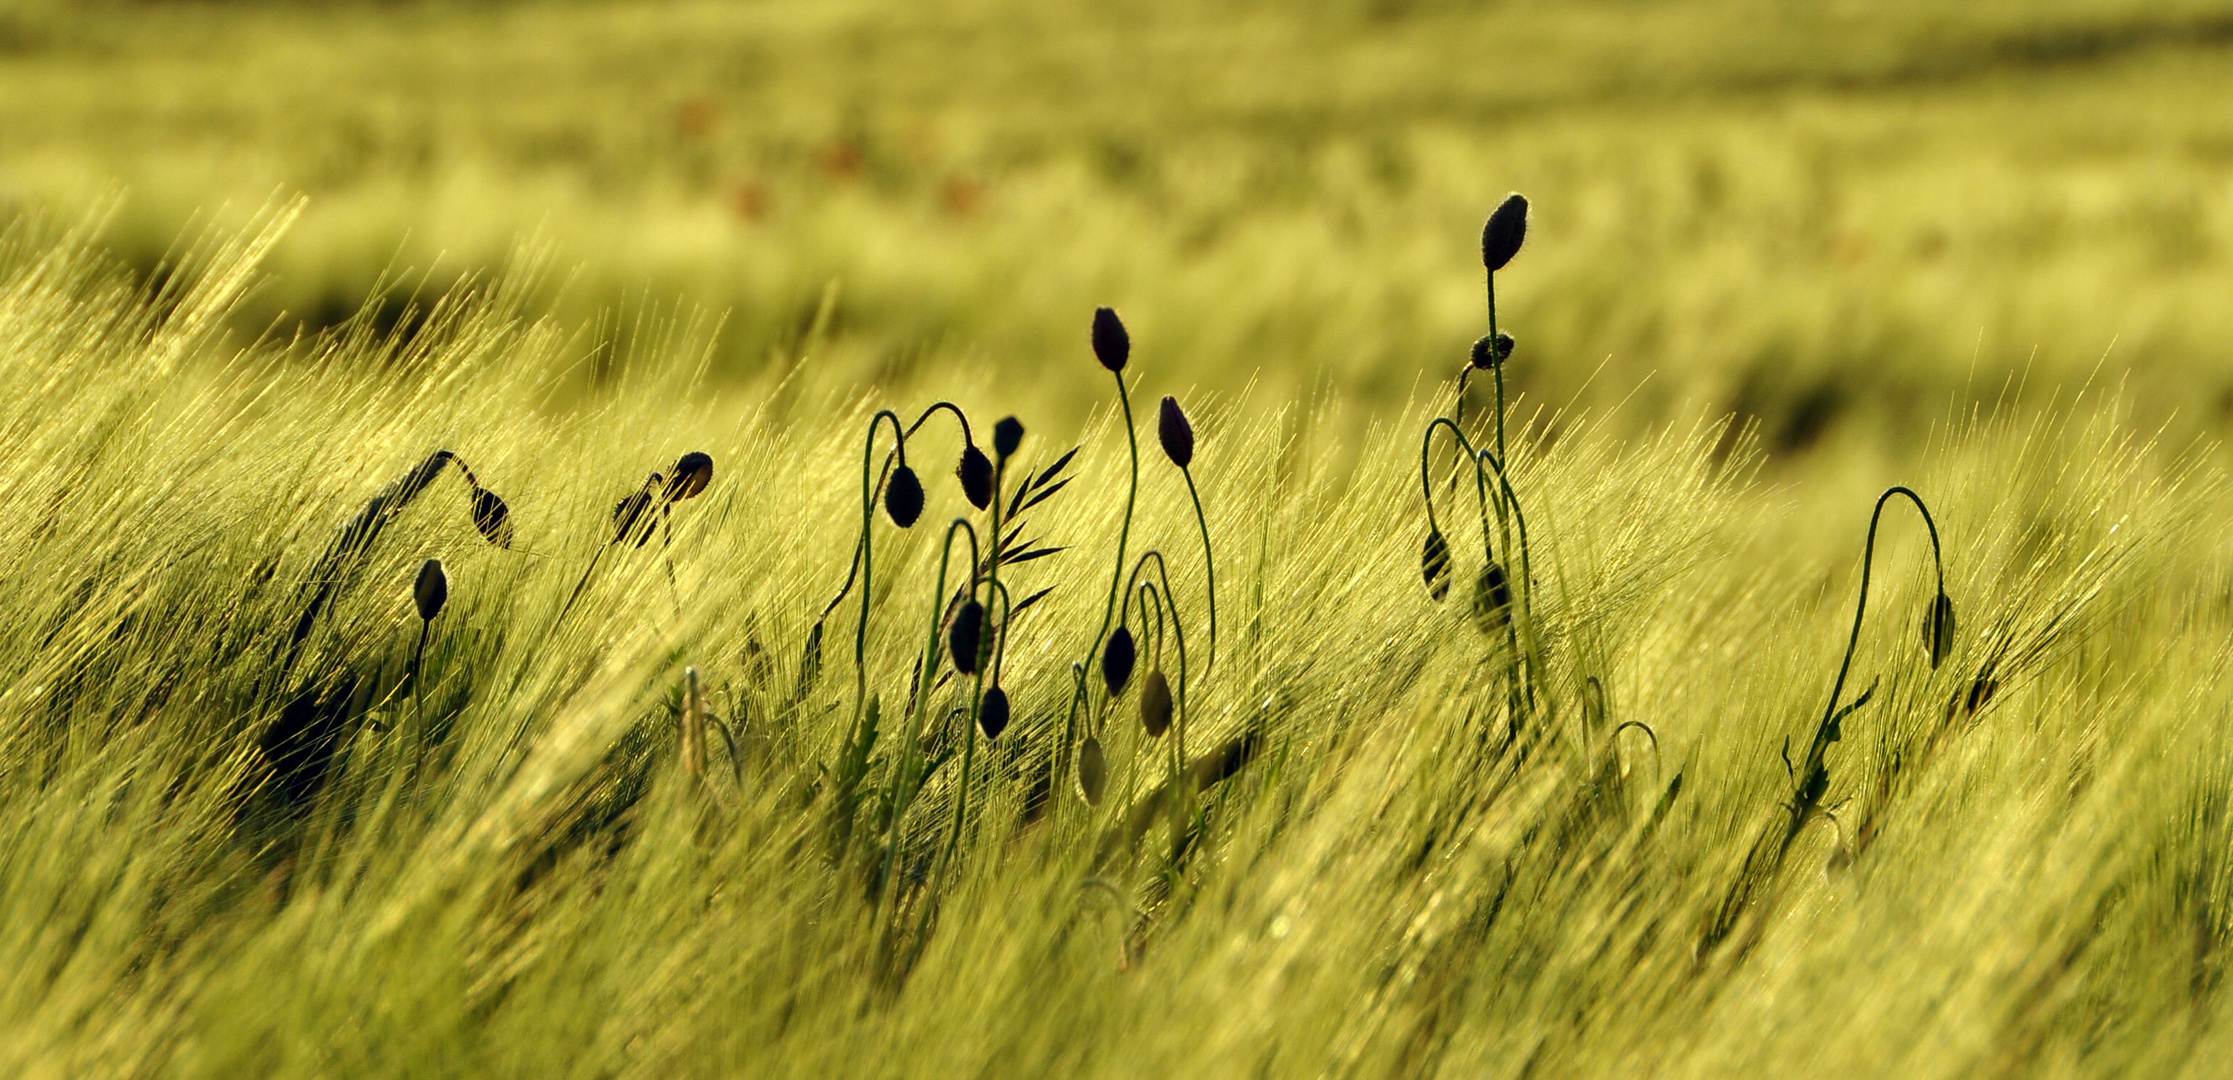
865, 560
1116, 580
901, 789
1209, 564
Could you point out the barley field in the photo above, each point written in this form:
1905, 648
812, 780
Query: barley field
598, 539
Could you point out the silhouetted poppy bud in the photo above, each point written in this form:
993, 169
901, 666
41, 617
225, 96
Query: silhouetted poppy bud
1117, 659
691, 475
1007, 435
1504, 232
966, 635
432, 589
975, 472
631, 516
1093, 771
1490, 351
903, 497
1155, 704
492, 517
1111, 345
1176, 434
1434, 565
1938, 630
1492, 599
992, 713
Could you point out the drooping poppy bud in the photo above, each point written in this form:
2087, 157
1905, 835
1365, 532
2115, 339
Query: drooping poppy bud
964, 637
1093, 771
1434, 565
1117, 659
992, 713
1504, 232
1111, 344
1175, 433
492, 517
1155, 704
1938, 630
691, 475
975, 472
1492, 599
903, 497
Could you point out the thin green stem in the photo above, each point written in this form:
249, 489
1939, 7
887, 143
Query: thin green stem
901, 789
1209, 564
1108, 611
865, 552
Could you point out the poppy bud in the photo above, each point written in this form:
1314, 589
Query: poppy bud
992, 713
1176, 434
1117, 659
631, 515
903, 497
492, 517
1111, 345
1938, 630
1504, 232
975, 472
432, 589
966, 635
1007, 435
691, 475
1155, 704
1492, 599
1093, 771
1434, 565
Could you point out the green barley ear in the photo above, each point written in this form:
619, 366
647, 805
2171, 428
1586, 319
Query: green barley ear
1434, 565
966, 634
1117, 660
1938, 630
1504, 232
903, 497
992, 713
432, 590
1492, 599
1155, 704
1112, 345
1093, 771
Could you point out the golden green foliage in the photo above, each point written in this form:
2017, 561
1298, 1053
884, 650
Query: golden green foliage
1818, 214
617, 807
532, 876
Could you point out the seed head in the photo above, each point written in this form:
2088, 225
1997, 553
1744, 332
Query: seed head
1176, 434
1111, 345
1938, 630
966, 635
1504, 232
432, 590
992, 713
492, 517
975, 472
690, 476
1155, 704
1117, 659
1007, 435
1492, 599
1434, 565
1093, 771
903, 497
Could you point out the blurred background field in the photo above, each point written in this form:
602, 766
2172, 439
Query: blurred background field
1841, 219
